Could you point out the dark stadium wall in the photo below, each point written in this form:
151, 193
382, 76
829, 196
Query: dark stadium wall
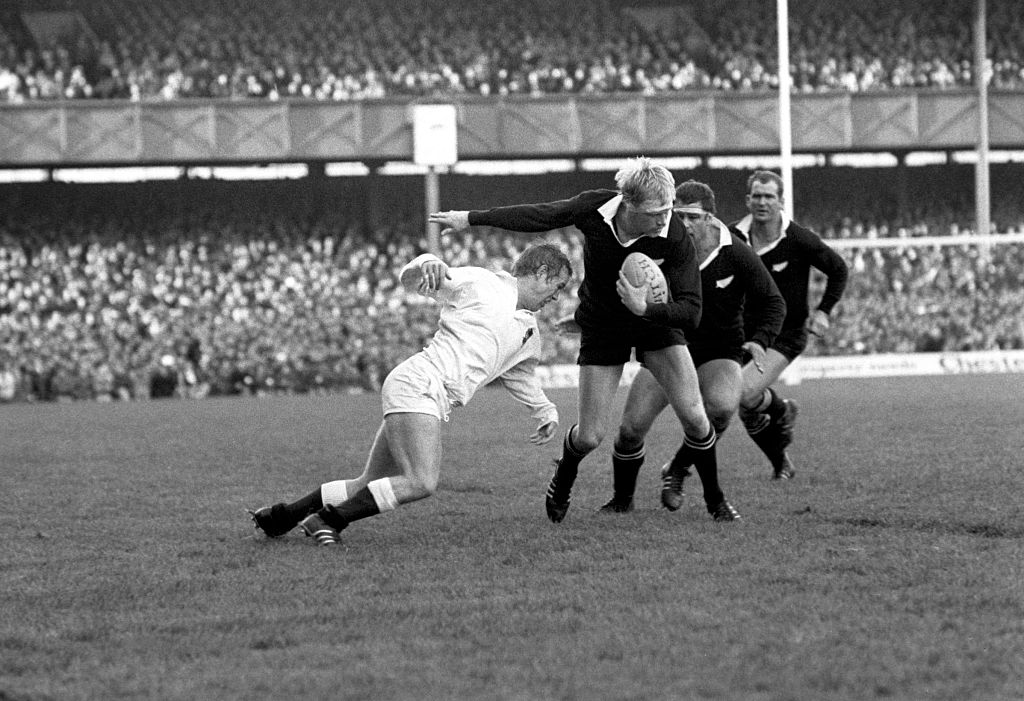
879, 194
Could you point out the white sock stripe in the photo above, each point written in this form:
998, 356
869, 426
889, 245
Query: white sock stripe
698, 444
632, 456
762, 423
384, 494
334, 493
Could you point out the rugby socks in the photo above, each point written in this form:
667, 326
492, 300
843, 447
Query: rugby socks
565, 473
705, 460
760, 429
335, 492
376, 497
625, 468
772, 404
309, 504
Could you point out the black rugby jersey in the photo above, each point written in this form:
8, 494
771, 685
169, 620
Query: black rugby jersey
790, 258
600, 308
740, 300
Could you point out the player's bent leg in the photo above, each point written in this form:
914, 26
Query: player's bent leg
644, 403
413, 442
721, 383
674, 370
404, 466
756, 382
598, 384
763, 412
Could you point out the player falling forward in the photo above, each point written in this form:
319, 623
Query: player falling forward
614, 316
487, 331
788, 251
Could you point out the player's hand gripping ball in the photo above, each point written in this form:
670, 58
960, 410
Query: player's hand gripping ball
640, 269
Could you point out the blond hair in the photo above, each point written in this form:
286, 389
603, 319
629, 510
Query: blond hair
641, 181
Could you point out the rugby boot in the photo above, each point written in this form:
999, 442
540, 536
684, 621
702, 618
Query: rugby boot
672, 486
316, 528
274, 520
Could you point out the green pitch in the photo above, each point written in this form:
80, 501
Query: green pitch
892, 567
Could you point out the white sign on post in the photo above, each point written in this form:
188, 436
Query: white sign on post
434, 135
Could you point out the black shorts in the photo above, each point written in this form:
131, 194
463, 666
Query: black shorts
704, 352
791, 343
613, 348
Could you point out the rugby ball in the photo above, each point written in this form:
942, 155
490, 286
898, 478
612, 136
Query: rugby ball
640, 269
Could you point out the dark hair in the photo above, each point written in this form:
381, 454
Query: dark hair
765, 176
540, 254
693, 191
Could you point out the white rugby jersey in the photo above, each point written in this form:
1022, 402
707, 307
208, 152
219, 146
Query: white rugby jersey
481, 337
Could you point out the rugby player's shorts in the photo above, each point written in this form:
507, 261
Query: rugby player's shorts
415, 387
705, 352
791, 343
609, 347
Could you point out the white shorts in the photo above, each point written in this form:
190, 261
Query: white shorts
414, 387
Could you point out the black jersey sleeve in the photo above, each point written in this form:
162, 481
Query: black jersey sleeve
764, 308
825, 259
538, 217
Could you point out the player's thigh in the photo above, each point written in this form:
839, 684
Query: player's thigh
756, 382
721, 384
645, 401
673, 368
414, 443
598, 386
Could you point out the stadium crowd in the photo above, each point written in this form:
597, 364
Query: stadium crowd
210, 302
318, 49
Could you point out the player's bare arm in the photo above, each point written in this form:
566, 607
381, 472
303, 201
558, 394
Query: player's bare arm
634, 298
757, 354
454, 220
427, 277
544, 433
818, 323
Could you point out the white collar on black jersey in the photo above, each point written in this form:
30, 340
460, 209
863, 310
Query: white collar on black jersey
608, 211
724, 239
744, 224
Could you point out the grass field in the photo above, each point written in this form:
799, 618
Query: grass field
892, 567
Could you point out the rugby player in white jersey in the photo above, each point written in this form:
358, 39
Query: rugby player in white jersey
487, 331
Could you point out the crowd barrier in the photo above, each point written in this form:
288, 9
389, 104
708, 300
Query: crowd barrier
848, 366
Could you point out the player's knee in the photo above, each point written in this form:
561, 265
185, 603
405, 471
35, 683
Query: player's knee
694, 412
586, 441
630, 438
629, 445
720, 420
422, 487
696, 423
